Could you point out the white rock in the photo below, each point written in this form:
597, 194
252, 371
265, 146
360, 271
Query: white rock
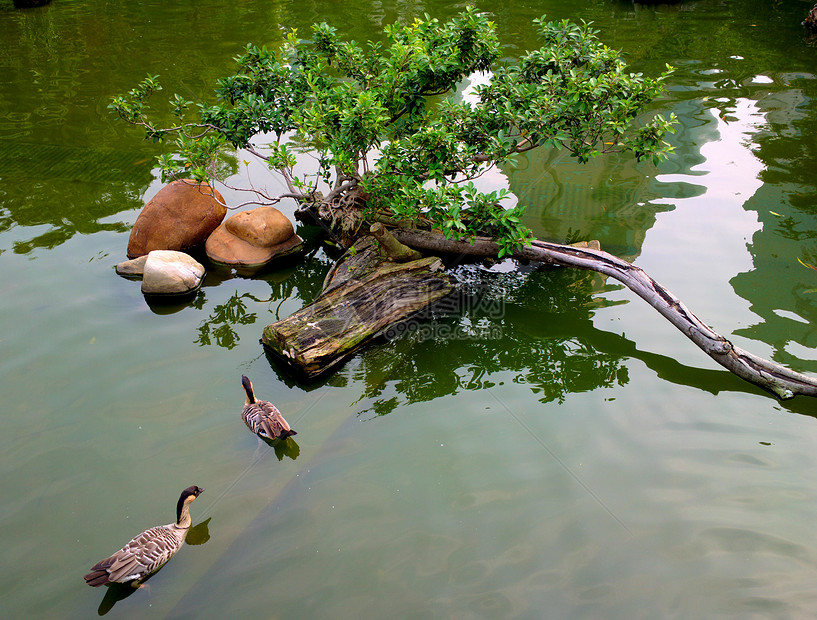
168, 272
133, 267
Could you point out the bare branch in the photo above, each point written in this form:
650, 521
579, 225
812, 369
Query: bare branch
770, 376
341, 189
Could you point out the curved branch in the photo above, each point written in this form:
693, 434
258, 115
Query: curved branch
265, 200
341, 189
770, 376
143, 122
523, 147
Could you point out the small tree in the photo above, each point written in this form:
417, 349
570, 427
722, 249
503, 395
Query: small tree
389, 144
391, 147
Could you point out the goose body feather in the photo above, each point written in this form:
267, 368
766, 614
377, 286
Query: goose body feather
262, 417
143, 555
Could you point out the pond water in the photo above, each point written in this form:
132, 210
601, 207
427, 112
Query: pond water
555, 449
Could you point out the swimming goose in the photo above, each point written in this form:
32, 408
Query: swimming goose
262, 416
147, 552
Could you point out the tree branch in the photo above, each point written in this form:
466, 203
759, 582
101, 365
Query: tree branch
341, 189
770, 376
395, 251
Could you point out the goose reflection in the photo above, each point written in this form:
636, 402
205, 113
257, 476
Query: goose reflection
285, 447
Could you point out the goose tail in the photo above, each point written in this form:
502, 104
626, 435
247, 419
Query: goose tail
97, 578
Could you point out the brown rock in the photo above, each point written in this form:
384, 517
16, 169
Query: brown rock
262, 227
252, 238
181, 216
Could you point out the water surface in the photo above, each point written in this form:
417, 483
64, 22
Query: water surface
553, 449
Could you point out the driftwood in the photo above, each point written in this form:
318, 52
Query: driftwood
773, 377
362, 297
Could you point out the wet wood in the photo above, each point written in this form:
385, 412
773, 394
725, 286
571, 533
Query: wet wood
362, 297
391, 247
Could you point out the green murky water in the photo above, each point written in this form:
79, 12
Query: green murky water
556, 449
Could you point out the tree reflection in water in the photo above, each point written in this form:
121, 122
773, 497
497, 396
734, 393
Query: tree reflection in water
533, 324
536, 324
218, 326
300, 283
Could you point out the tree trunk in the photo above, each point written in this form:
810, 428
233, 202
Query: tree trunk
777, 379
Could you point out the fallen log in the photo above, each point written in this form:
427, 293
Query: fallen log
779, 380
363, 296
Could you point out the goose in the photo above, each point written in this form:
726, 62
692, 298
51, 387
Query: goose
262, 416
811, 19
147, 552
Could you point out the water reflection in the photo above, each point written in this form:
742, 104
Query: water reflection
56, 210
605, 201
533, 324
199, 533
66, 163
548, 339
284, 448
301, 282
172, 304
751, 103
778, 286
64, 64
114, 593
218, 326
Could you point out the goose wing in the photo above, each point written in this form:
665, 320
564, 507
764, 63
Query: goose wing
265, 420
273, 422
143, 555
252, 415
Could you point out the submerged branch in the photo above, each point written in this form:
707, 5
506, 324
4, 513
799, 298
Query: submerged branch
773, 377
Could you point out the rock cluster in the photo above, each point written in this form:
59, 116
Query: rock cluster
185, 215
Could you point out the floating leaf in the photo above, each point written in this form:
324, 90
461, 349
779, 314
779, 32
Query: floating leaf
807, 265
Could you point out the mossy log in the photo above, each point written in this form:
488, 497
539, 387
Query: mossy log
392, 248
362, 297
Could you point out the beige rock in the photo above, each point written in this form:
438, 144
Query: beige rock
168, 272
133, 267
252, 238
179, 217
